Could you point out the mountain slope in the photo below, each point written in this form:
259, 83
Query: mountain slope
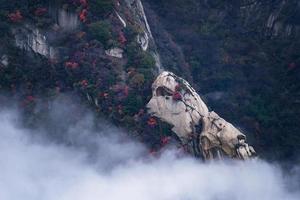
244, 59
241, 56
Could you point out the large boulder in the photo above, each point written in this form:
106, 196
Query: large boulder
174, 101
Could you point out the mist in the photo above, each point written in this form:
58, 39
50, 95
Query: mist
105, 164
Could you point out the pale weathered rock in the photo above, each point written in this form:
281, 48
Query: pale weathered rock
143, 40
4, 60
177, 103
115, 52
122, 20
67, 20
29, 37
181, 114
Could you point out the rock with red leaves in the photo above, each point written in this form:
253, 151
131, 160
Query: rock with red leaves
122, 39
40, 11
71, 65
84, 83
165, 140
105, 95
153, 152
126, 91
177, 87
28, 100
177, 96
16, 16
152, 122
83, 15
83, 3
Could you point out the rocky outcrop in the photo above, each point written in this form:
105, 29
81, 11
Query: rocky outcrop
115, 52
4, 60
29, 38
274, 17
177, 103
66, 19
121, 20
145, 38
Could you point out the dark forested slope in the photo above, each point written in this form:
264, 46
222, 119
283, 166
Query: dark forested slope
244, 57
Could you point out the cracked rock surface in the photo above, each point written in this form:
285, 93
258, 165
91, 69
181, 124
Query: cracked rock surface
177, 103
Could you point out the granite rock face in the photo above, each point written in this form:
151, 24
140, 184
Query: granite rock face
177, 103
28, 37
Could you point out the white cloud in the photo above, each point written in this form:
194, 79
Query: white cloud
32, 169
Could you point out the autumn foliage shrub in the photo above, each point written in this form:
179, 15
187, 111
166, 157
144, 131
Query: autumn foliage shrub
15, 16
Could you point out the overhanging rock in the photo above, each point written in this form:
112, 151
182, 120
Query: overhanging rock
177, 103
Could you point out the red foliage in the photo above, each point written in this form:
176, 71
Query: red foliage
83, 15
122, 39
16, 16
71, 65
152, 152
84, 83
177, 96
84, 3
105, 95
40, 11
152, 122
126, 91
177, 87
165, 140
30, 98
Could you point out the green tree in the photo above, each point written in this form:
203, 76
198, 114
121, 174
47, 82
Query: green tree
101, 7
101, 30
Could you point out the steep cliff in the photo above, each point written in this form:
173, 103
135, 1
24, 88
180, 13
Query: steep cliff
101, 50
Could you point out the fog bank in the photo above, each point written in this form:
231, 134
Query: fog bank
32, 168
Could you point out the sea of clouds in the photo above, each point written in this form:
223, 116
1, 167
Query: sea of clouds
105, 164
